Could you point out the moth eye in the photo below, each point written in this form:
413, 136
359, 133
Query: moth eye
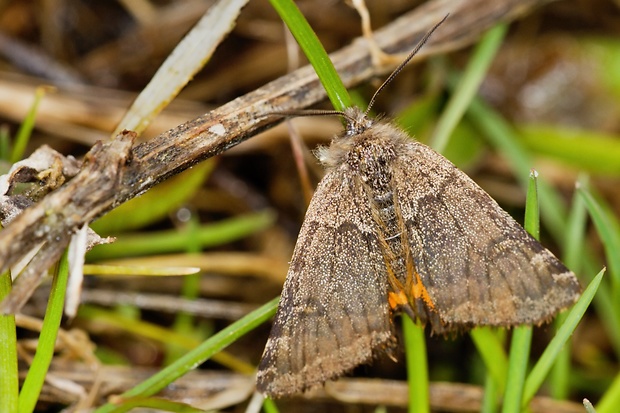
351, 130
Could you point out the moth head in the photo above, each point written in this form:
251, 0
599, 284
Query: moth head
357, 121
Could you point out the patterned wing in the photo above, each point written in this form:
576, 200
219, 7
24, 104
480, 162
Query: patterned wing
333, 314
478, 265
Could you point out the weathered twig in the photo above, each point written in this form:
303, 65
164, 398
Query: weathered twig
108, 178
52, 221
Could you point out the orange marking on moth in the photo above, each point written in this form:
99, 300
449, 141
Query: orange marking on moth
397, 299
420, 292
414, 283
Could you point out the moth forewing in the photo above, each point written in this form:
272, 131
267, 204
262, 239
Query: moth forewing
328, 321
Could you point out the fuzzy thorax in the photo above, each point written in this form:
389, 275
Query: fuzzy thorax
364, 143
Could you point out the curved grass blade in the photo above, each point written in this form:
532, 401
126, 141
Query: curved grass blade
218, 233
544, 363
467, 88
9, 372
47, 339
521, 340
197, 356
608, 299
314, 51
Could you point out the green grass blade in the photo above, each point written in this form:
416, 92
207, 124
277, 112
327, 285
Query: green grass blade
270, 406
608, 299
576, 230
608, 229
157, 404
584, 150
520, 344
9, 374
611, 399
47, 339
532, 211
522, 336
491, 349
142, 270
314, 51
142, 328
206, 236
156, 203
417, 368
544, 363
5, 144
477, 67
25, 129
490, 399
559, 380
197, 356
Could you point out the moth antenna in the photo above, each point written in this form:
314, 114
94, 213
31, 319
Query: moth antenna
320, 112
401, 66
311, 112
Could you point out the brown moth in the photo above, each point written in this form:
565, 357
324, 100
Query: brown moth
394, 226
